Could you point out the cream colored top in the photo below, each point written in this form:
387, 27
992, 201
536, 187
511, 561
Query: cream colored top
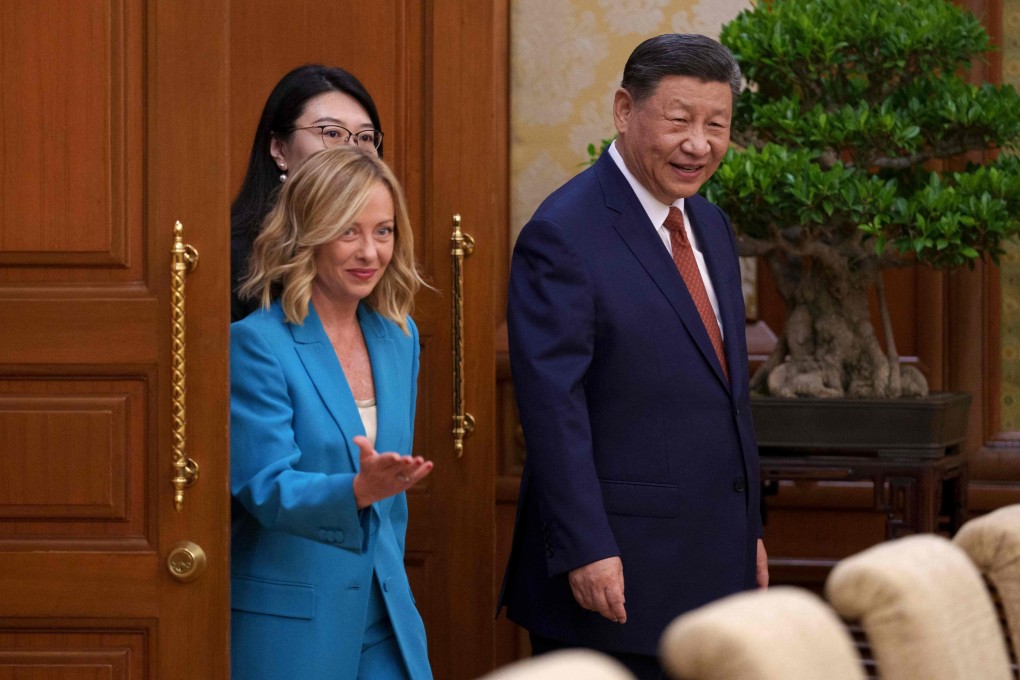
369, 417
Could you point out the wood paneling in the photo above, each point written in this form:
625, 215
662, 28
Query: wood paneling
464, 166
66, 453
71, 137
114, 126
385, 52
54, 326
73, 655
511, 640
972, 336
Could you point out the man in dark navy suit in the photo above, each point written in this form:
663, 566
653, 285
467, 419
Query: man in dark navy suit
627, 347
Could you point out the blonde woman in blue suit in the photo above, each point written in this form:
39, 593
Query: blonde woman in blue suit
323, 377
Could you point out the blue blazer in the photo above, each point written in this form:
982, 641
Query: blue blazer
303, 557
637, 445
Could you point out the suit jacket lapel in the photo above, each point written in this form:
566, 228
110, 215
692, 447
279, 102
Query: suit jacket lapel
640, 236
316, 353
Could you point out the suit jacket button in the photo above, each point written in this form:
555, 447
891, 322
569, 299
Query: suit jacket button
386, 584
739, 486
322, 534
339, 537
330, 536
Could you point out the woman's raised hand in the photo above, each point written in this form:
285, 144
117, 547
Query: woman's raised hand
385, 474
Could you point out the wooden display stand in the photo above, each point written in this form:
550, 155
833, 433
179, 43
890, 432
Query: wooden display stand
915, 494
909, 449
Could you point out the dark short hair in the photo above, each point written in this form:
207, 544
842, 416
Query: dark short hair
679, 54
261, 182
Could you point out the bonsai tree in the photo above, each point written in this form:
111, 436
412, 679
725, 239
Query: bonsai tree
853, 152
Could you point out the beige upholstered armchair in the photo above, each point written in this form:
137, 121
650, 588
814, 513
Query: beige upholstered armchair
568, 664
783, 633
993, 543
925, 610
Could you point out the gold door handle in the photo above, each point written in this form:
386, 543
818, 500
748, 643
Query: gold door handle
186, 561
462, 245
184, 259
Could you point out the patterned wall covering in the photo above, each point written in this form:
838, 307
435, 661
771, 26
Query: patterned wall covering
567, 60
1010, 389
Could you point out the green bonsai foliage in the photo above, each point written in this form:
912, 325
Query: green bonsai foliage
856, 137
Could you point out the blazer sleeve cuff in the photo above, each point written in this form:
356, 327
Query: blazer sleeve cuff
568, 550
351, 528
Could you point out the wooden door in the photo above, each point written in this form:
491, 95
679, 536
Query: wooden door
113, 127
438, 74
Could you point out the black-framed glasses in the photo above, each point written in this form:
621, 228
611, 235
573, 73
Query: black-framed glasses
335, 135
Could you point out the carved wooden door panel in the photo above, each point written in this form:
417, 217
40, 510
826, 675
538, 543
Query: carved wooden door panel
113, 127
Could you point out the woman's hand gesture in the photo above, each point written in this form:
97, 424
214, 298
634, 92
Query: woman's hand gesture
385, 474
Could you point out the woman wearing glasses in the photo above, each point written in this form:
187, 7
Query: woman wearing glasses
322, 376
312, 108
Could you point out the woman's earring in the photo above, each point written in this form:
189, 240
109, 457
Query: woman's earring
283, 177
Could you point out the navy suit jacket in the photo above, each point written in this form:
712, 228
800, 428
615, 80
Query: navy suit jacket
637, 445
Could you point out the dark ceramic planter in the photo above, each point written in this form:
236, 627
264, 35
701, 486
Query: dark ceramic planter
917, 428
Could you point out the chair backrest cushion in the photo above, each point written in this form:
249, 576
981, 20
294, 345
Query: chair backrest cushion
567, 664
925, 609
993, 543
783, 633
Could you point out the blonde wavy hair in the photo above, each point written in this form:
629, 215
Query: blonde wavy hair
315, 205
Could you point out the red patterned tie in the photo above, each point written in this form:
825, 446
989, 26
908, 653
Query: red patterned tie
683, 256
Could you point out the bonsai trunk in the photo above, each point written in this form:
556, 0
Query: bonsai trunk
828, 347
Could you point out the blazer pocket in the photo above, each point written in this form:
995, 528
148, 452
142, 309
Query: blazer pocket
640, 499
278, 598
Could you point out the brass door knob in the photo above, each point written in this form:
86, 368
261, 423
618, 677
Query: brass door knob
186, 561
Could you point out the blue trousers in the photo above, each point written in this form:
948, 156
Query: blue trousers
381, 658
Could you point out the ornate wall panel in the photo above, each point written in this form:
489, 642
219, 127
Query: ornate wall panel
1009, 417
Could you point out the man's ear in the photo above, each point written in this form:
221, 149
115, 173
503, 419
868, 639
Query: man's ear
623, 107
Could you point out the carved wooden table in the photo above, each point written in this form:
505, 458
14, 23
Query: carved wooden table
915, 494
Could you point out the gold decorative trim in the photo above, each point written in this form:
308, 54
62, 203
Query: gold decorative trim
184, 260
462, 245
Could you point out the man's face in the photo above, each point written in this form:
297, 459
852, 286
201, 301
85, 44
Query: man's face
674, 140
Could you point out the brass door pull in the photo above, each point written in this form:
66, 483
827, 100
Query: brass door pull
462, 245
184, 259
186, 561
